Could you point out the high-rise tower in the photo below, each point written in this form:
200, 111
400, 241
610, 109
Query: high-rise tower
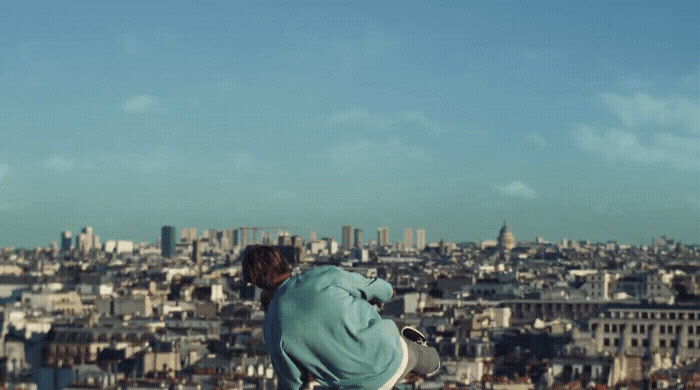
383, 236
408, 238
66, 241
347, 237
420, 239
359, 242
167, 235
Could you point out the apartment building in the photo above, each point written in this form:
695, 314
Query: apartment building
645, 329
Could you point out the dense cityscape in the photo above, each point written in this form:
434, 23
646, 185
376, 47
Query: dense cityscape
389, 139
503, 313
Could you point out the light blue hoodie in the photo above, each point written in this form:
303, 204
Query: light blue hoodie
321, 323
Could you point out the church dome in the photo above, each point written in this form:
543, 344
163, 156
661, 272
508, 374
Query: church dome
506, 239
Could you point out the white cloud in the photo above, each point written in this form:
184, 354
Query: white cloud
683, 153
361, 117
4, 171
537, 139
60, 164
240, 162
140, 162
641, 110
370, 157
141, 104
694, 201
364, 119
634, 143
423, 121
517, 189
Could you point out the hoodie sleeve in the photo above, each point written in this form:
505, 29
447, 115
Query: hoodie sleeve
365, 288
289, 375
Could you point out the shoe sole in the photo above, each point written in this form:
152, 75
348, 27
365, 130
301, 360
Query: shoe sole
414, 335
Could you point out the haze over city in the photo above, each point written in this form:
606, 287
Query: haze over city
578, 121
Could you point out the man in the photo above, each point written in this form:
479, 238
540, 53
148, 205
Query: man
320, 324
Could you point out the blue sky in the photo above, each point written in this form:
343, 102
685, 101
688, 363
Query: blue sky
577, 121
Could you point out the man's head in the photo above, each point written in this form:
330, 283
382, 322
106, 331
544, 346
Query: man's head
263, 266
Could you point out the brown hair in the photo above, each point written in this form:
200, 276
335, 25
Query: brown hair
262, 264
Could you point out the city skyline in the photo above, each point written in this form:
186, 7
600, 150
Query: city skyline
578, 121
87, 238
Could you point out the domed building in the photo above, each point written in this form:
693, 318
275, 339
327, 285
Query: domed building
506, 239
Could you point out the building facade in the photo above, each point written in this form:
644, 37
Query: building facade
383, 236
647, 329
347, 240
420, 239
408, 238
167, 235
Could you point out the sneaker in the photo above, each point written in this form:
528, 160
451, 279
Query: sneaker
437, 371
419, 338
414, 335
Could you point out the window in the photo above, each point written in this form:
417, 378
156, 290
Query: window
606, 328
614, 328
678, 329
672, 316
691, 316
691, 344
662, 343
697, 329
645, 343
662, 329
606, 342
663, 316
634, 328
690, 329
645, 315
634, 342
673, 343
616, 342
641, 329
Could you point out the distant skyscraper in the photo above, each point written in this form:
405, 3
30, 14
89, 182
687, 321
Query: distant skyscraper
167, 235
210, 234
236, 237
383, 236
87, 240
188, 234
66, 241
420, 239
244, 237
197, 249
228, 239
359, 243
313, 236
284, 239
347, 237
408, 238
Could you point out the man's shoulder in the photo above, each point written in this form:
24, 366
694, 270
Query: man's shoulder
322, 270
326, 268
320, 276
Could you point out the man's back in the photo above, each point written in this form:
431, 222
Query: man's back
320, 323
